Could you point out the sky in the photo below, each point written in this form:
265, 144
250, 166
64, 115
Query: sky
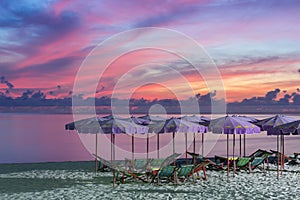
255, 45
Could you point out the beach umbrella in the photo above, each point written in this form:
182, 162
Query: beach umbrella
232, 125
142, 122
88, 125
248, 119
174, 125
292, 128
204, 121
273, 126
155, 125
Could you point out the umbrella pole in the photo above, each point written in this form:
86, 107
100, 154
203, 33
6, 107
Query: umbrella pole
240, 145
283, 150
111, 147
96, 152
186, 160
227, 158
244, 145
114, 160
277, 156
157, 145
202, 144
282, 153
174, 147
147, 146
233, 145
194, 149
132, 151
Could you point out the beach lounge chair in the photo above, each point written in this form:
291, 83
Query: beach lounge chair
279, 154
155, 164
119, 169
243, 162
165, 173
164, 170
221, 161
256, 162
201, 167
103, 165
139, 164
184, 172
260, 153
294, 160
211, 165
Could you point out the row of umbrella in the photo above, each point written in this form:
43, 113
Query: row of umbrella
279, 125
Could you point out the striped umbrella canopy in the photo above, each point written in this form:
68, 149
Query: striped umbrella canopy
232, 125
174, 125
274, 126
247, 118
291, 128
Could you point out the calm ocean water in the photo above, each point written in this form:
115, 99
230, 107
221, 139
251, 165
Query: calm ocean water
41, 138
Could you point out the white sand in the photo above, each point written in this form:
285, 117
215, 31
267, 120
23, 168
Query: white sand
257, 185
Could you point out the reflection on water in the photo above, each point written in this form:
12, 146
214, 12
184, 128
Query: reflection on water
41, 138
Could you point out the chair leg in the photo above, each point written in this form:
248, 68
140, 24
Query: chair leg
204, 173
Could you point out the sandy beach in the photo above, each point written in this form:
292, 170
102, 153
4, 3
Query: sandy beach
45, 182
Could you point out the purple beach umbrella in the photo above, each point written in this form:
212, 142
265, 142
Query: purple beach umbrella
203, 121
232, 125
274, 126
174, 125
155, 125
248, 119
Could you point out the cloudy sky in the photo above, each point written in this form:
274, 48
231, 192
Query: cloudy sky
255, 44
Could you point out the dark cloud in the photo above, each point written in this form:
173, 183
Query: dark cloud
296, 99
285, 100
299, 70
6, 82
271, 95
268, 99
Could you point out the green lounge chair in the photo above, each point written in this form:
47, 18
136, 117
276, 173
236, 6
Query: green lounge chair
155, 164
184, 172
200, 159
256, 162
243, 162
166, 173
164, 170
